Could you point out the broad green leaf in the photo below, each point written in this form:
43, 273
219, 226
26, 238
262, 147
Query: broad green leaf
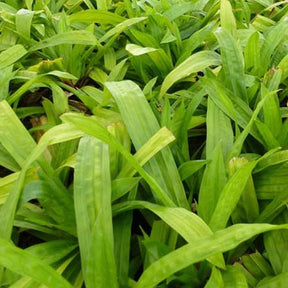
7, 161
13, 135
7, 7
195, 63
189, 168
92, 195
118, 72
227, 18
11, 55
61, 74
119, 28
271, 111
138, 116
283, 65
103, 5
257, 265
7, 182
144, 39
121, 186
234, 278
221, 97
238, 144
83, 37
274, 159
122, 233
55, 199
197, 38
24, 263
230, 196
182, 139
272, 40
157, 142
262, 23
5, 79
252, 281
177, 10
190, 226
219, 130
276, 247
122, 228
23, 22
96, 16
85, 123
158, 56
274, 208
137, 50
252, 53
60, 133
239, 111
274, 282
210, 191
268, 139
247, 209
60, 99
189, 254
233, 63
52, 251
215, 279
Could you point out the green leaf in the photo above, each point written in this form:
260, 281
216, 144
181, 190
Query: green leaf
52, 251
190, 226
271, 111
13, 135
257, 265
84, 124
274, 282
157, 142
276, 245
138, 116
230, 196
189, 168
177, 10
195, 63
215, 279
137, 50
121, 186
92, 195
23, 22
252, 53
234, 278
227, 18
233, 63
274, 159
83, 37
238, 144
119, 28
247, 209
11, 55
272, 40
189, 254
219, 130
7, 161
24, 263
210, 191
58, 134
95, 16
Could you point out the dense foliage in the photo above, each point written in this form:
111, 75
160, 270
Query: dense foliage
143, 143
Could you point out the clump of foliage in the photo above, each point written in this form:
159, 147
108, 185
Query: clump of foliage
143, 143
